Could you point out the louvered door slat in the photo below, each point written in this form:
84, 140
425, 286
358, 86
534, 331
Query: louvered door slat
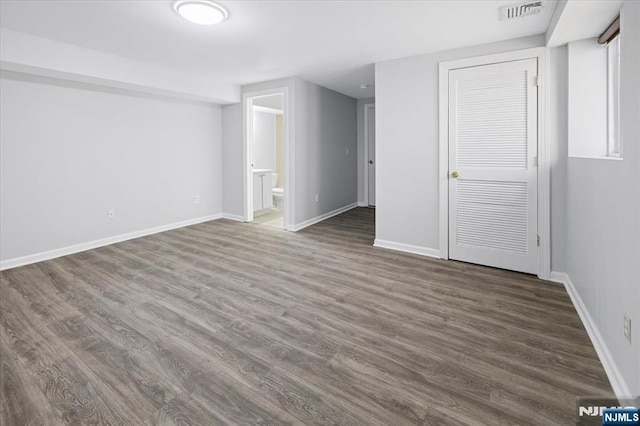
492, 142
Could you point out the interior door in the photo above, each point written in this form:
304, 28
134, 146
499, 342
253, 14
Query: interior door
493, 124
371, 152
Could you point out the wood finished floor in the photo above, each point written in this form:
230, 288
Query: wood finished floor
232, 323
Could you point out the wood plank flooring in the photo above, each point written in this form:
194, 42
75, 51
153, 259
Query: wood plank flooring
232, 323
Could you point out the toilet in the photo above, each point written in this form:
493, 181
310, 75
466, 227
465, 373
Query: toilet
278, 193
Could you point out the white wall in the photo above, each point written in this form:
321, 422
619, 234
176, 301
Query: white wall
232, 161
407, 209
361, 142
603, 222
40, 56
68, 154
264, 140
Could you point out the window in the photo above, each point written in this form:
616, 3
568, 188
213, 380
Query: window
611, 39
613, 97
594, 96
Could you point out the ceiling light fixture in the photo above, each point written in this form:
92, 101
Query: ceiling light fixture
364, 86
201, 12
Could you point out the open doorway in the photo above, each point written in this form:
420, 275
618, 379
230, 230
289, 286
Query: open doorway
266, 153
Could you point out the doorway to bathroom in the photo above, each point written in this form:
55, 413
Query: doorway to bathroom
267, 201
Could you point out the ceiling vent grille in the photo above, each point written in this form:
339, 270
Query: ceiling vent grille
512, 12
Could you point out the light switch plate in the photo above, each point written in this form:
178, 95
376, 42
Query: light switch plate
627, 327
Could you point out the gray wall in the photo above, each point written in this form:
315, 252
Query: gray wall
326, 126
360, 159
558, 140
232, 160
407, 208
68, 154
603, 220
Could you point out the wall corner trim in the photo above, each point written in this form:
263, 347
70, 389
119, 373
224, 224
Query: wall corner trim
616, 378
407, 248
76, 248
322, 217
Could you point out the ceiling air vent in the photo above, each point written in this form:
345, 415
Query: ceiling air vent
511, 12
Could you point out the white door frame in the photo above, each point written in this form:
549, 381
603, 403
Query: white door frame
367, 107
247, 182
544, 169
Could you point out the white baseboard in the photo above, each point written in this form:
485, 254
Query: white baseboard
559, 277
235, 217
362, 204
616, 378
322, 217
64, 251
407, 248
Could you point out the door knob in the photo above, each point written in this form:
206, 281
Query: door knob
454, 175
370, 161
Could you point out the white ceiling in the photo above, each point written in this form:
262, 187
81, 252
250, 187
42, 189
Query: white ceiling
331, 43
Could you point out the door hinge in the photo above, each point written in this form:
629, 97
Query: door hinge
536, 161
538, 80
538, 240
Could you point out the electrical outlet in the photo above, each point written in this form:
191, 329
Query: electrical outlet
111, 213
197, 199
627, 327
317, 198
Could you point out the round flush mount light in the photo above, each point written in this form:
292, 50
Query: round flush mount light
201, 12
364, 86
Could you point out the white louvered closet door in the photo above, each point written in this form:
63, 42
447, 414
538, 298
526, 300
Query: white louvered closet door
493, 123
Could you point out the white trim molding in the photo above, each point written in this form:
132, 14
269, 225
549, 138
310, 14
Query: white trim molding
325, 216
544, 170
407, 248
76, 248
288, 110
234, 217
268, 110
544, 166
620, 387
